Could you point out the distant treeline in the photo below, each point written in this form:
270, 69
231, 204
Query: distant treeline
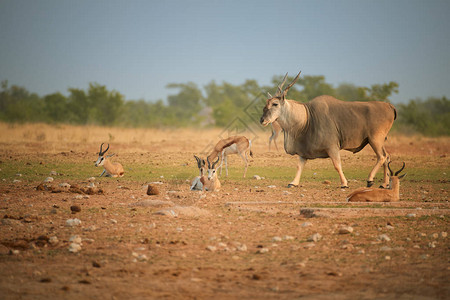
213, 105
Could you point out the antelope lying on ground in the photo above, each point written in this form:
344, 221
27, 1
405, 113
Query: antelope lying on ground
324, 126
199, 181
232, 145
379, 195
212, 183
111, 169
276, 129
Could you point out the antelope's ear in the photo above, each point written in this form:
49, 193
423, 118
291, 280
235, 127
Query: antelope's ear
401, 176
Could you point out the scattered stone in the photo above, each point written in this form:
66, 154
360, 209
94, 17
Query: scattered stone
152, 190
257, 177
315, 238
75, 239
91, 179
75, 209
386, 249
287, 193
64, 185
434, 235
113, 221
19, 175
345, 230
411, 215
307, 213
262, 250
443, 234
73, 222
307, 224
384, 238
78, 197
139, 257
16, 181
91, 228
387, 257
53, 173
326, 182
432, 244
189, 211
276, 239
211, 248
242, 248
48, 179
96, 264
91, 185
53, 241
74, 247
288, 238
271, 186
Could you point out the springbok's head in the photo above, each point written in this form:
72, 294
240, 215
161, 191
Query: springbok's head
212, 168
101, 158
393, 177
274, 104
201, 165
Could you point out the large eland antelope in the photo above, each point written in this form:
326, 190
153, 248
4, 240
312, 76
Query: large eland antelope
233, 145
323, 126
380, 195
111, 169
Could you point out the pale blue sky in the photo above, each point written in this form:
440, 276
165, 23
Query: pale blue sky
138, 47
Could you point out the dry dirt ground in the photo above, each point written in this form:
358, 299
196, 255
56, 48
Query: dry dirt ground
254, 239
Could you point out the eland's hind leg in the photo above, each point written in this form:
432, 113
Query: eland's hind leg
336, 159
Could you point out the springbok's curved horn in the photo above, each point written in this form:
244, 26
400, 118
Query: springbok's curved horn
291, 84
106, 149
398, 172
389, 167
209, 164
270, 96
100, 152
215, 163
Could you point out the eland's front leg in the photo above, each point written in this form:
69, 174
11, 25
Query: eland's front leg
300, 165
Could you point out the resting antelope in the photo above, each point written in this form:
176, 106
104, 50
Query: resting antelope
380, 195
276, 129
199, 181
323, 126
212, 183
232, 145
111, 169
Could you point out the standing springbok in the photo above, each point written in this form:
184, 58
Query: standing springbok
111, 169
199, 181
212, 183
232, 145
323, 126
276, 129
379, 195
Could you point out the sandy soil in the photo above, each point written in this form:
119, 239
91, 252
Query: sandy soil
254, 239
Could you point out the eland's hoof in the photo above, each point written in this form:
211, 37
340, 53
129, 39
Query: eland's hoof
370, 183
290, 185
344, 187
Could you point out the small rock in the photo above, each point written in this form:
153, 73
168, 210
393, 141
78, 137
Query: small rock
386, 249
75, 209
307, 224
74, 247
211, 248
326, 182
271, 186
288, 238
432, 244
345, 230
152, 190
91, 179
48, 179
242, 248
75, 239
78, 197
139, 257
113, 221
387, 257
64, 185
262, 250
307, 213
443, 234
73, 222
19, 175
276, 239
309, 245
287, 193
257, 177
53, 173
434, 235
384, 238
53, 240
411, 215
315, 237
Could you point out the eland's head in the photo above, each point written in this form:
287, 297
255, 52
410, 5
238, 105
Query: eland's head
274, 104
